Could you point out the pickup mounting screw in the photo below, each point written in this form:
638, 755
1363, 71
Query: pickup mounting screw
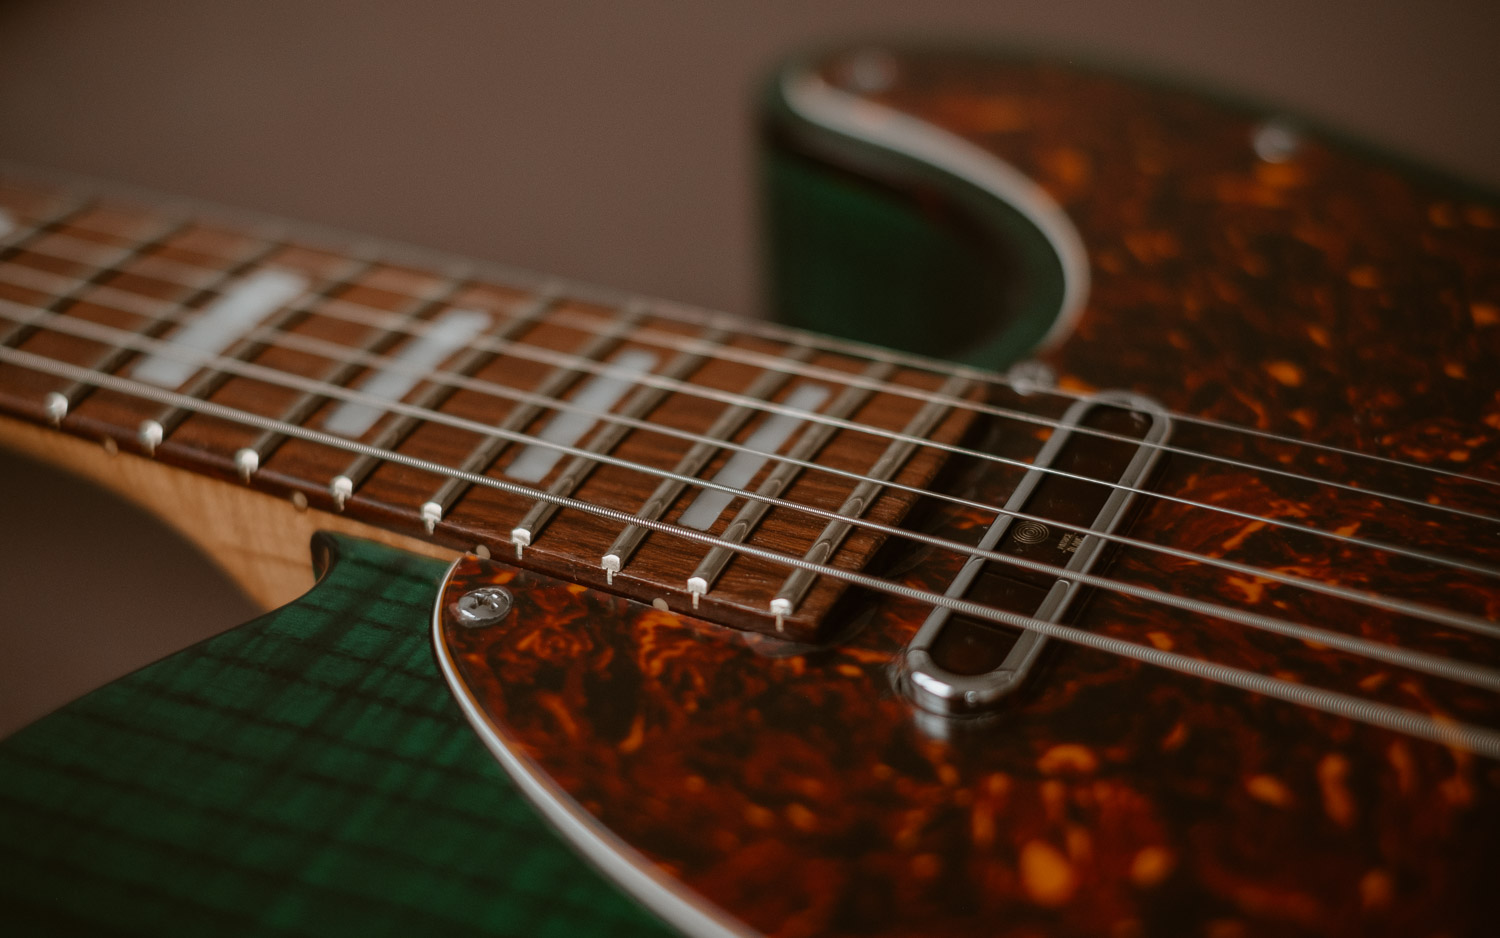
1276, 141
484, 606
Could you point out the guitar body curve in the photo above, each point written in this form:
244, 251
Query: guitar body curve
306, 770
1227, 264
1240, 268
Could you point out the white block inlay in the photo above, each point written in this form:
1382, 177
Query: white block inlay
220, 323
450, 332
598, 396
767, 439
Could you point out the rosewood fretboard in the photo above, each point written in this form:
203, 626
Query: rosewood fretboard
93, 280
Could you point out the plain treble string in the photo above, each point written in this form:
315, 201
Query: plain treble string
348, 355
682, 312
1473, 674
1481, 740
647, 335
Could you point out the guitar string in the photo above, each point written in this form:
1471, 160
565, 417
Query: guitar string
18, 239
1272, 521
337, 352
382, 319
1443, 730
399, 253
385, 320
833, 345
1475, 675
648, 336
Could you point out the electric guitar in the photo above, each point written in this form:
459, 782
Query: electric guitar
1152, 588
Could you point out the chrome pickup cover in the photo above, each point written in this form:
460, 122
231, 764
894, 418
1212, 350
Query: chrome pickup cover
1076, 492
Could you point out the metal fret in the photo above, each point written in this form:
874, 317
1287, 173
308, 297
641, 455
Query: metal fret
249, 458
116, 358
58, 403
153, 430
17, 239
345, 483
812, 441
178, 273
890, 462
22, 331
606, 438
725, 426
558, 381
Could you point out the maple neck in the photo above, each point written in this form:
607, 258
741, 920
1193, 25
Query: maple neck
622, 443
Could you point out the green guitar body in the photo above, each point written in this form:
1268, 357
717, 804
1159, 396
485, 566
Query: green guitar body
305, 773
309, 772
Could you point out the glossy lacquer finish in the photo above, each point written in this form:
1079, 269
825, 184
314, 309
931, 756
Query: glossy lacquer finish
305, 773
1333, 297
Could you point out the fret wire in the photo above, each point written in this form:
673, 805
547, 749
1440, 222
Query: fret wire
755, 358
809, 443
17, 240
604, 440
83, 251
60, 403
683, 313
728, 423
1478, 739
209, 380
437, 393
489, 449
22, 331
249, 458
333, 351
102, 294
890, 462
1397, 655
150, 433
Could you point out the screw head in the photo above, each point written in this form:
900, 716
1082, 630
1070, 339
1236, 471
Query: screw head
869, 71
484, 606
1276, 141
1030, 376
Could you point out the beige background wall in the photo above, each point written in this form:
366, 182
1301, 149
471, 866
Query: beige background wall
607, 141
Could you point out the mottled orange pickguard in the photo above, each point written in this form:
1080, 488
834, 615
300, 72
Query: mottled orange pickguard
1336, 297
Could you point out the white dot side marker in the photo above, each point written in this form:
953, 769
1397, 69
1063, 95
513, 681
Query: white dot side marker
246, 461
697, 586
781, 608
341, 488
56, 406
150, 434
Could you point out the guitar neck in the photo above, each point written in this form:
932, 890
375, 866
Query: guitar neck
609, 440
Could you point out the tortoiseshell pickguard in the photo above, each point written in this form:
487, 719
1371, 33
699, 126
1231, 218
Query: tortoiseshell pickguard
1336, 297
